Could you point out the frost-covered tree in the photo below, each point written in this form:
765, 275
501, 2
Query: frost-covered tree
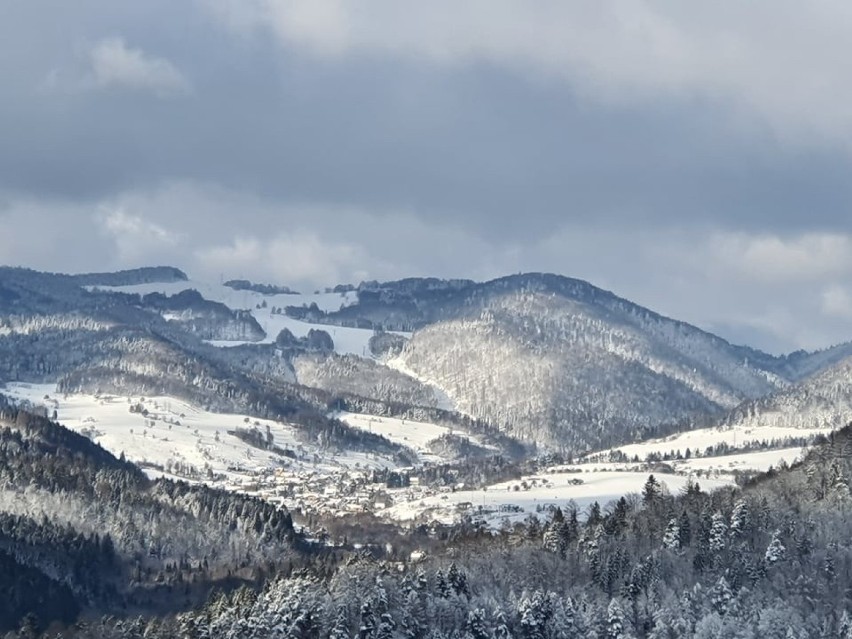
616, 621
721, 595
671, 536
775, 551
340, 629
739, 519
718, 533
556, 535
501, 624
475, 626
457, 580
844, 626
534, 612
368, 621
565, 622
651, 491
386, 627
685, 529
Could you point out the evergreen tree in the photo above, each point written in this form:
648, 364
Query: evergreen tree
444, 589
556, 535
594, 517
685, 532
564, 622
616, 622
368, 621
739, 519
844, 626
721, 596
534, 612
457, 580
651, 491
671, 537
386, 627
475, 625
718, 533
340, 629
501, 624
776, 551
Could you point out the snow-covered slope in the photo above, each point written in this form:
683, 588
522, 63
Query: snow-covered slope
420, 436
266, 309
182, 439
545, 359
823, 400
548, 359
567, 372
703, 442
535, 494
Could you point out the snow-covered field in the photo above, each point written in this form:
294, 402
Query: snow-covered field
175, 438
701, 439
590, 481
755, 461
537, 492
175, 434
346, 340
411, 434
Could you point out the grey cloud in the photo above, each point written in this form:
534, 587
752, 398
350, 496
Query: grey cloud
503, 152
747, 55
357, 152
115, 64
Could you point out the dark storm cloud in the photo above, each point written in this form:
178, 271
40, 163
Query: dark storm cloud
247, 136
481, 143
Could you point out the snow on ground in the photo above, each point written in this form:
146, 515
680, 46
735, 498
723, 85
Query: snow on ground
443, 400
586, 482
240, 299
408, 433
175, 434
536, 492
353, 341
179, 440
415, 435
756, 461
699, 440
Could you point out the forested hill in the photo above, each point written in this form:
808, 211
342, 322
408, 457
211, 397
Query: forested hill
83, 531
771, 560
540, 358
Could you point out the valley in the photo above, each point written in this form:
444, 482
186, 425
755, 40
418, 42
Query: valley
386, 423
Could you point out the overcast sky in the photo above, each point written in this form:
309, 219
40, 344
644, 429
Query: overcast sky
693, 157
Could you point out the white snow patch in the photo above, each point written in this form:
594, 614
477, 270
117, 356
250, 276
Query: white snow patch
535, 493
354, 341
408, 433
176, 434
703, 438
442, 399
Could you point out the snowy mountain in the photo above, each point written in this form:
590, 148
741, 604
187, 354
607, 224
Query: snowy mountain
556, 360
823, 400
541, 358
362, 412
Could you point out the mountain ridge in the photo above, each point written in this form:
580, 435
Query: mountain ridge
545, 358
